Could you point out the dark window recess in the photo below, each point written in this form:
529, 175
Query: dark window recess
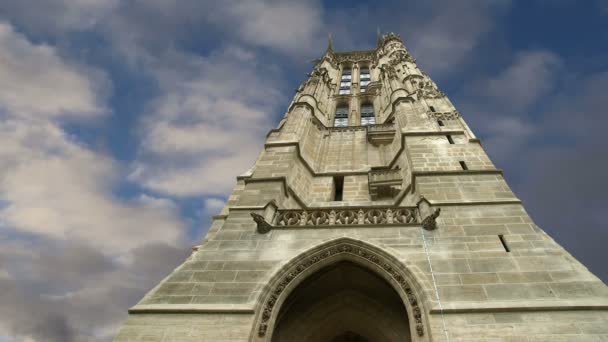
463, 165
440, 123
338, 187
504, 243
367, 115
432, 109
450, 139
341, 117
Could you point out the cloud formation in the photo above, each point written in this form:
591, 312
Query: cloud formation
221, 74
205, 125
70, 244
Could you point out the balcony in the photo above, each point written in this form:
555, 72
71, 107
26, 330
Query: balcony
381, 134
385, 183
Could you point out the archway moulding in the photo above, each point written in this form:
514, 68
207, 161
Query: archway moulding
291, 274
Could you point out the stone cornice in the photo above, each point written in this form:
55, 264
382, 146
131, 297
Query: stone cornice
192, 308
521, 306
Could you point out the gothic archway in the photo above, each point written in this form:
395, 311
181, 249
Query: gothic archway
377, 287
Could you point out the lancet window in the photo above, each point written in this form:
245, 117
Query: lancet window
341, 117
367, 115
364, 79
345, 82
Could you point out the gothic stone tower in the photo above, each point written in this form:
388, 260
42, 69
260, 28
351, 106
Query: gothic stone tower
373, 214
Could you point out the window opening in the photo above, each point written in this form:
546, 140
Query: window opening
463, 165
432, 109
450, 140
345, 82
341, 117
364, 79
440, 123
338, 187
367, 115
504, 243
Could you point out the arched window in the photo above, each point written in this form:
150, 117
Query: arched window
364, 79
345, 82
341, 117
367, 115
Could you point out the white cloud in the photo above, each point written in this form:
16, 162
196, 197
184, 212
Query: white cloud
531, 76
57, 17
206, 127
52, 185
73, 243
444, 34
287, 25
35, 81
57, 188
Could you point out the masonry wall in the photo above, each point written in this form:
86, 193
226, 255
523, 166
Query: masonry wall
487, 273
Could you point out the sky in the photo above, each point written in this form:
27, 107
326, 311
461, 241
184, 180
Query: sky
123, 124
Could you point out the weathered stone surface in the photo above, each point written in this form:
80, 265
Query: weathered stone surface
457, 280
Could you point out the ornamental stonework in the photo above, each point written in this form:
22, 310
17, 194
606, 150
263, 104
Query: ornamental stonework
344, 248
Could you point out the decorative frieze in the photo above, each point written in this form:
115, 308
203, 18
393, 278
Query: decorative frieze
355, 56
345, 248
453, 115
347, 216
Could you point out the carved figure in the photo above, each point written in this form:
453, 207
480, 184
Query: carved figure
429, 222
263, 226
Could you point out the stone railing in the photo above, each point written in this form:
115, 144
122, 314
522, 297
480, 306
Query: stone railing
381, 134
347, 216
384, 183
385, 175
453, 115
381, 127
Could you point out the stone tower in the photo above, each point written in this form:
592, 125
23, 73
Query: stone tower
373, 214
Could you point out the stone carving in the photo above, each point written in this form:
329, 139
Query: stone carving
401, 56
429, 90
388, 71
347, 216
318, 74
355, 56
389, 37
263, 226
453, 115
360, 252
429, 222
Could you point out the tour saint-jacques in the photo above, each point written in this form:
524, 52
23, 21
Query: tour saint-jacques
374, 214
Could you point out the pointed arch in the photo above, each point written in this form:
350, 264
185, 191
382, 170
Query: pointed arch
361, 253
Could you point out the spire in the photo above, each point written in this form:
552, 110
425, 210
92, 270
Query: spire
379, 39
329, 43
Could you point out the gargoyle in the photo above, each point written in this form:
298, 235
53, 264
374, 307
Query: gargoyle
263, 226
429, 222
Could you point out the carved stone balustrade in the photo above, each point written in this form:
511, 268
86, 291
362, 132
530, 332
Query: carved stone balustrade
373, 88
444, 116
384, 183
347, 217
381, 134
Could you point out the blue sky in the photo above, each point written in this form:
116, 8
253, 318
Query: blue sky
123, 125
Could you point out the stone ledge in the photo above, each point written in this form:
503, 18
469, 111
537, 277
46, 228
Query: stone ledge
426, 132
192, 308
461, 203
418, 173
522, 306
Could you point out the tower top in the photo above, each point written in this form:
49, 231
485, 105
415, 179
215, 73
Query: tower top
390, 36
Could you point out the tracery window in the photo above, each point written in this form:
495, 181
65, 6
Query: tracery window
345, 82
364, 79
367, 115
341, 117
